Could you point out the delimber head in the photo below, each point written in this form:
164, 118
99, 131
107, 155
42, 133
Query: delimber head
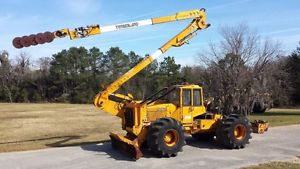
32, 40
47, 37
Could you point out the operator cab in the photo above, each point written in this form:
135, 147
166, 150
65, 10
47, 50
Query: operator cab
187, 98
179, 95
191, 102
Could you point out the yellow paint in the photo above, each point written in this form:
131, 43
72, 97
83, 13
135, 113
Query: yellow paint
191, 14
81, 32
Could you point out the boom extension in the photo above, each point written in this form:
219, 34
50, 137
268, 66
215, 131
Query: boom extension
82, 32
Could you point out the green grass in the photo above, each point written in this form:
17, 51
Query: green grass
279, 117
277, 165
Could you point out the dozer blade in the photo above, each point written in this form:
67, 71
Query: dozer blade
125, 145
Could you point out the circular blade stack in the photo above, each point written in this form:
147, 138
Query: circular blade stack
32, 40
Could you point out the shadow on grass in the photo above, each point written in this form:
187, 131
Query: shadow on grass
64, 139
63, 142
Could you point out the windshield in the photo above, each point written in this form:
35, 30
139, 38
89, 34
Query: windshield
166, 94
173, 97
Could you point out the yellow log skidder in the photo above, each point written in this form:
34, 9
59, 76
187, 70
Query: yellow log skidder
161, 120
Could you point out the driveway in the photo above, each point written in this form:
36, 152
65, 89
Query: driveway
279, 143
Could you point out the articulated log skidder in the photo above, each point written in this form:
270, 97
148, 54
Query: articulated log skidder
161, 120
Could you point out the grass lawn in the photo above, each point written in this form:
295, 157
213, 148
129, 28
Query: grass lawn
36, 126
277, 165
279, 117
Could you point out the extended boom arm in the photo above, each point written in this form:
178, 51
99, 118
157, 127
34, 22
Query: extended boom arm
82, 32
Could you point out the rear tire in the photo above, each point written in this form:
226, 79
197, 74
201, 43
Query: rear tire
234, 131
165, 137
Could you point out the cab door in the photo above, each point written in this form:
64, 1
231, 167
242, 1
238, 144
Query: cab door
198, 107
186, 105
191, 103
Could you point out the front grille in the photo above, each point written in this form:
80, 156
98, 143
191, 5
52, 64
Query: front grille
129, 118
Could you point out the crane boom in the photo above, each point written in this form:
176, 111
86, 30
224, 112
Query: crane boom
83, 32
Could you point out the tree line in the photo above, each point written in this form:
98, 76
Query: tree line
240, 68
77, 74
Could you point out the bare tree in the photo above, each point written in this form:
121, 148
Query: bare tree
44, 64
235, 68
23, 63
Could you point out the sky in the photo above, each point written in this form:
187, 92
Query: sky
278, 20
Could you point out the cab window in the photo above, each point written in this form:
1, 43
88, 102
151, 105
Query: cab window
187, 101
197, 97
173, 97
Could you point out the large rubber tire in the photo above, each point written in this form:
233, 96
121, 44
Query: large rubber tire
165, 137
234, 131
204, 136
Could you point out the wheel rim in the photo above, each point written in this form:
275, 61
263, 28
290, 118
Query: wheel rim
239, 132
171, 138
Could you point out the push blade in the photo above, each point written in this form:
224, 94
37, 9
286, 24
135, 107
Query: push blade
128, 147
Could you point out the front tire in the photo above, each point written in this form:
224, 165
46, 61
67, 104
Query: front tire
234, 131
165, 137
